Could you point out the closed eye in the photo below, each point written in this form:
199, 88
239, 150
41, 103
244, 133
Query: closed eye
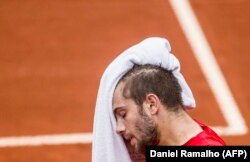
122, 113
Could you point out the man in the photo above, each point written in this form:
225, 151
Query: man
149, 111
142, 100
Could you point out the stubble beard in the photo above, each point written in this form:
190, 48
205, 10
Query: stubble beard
147, 131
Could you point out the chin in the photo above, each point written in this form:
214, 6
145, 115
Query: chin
140, 148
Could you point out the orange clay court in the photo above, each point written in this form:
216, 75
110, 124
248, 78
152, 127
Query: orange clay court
53, 53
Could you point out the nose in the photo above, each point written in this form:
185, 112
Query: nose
120, 127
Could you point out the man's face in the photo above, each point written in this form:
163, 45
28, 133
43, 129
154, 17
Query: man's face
133, 123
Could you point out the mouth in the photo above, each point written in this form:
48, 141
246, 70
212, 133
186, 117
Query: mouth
127, 137
130, 139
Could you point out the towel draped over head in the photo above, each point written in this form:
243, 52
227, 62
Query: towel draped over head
107, 145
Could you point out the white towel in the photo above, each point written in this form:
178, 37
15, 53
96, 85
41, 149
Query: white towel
107, 145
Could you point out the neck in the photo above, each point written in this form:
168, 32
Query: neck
177, 128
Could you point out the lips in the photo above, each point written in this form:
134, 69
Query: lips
133, 141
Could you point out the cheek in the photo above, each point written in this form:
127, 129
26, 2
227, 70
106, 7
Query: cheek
130, 123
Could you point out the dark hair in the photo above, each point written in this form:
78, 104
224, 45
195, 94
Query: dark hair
144, 79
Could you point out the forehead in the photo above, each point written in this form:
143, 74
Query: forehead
118, 99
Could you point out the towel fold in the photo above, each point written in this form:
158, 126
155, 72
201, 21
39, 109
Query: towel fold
107, 145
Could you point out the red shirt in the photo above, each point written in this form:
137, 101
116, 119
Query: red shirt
205, 138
